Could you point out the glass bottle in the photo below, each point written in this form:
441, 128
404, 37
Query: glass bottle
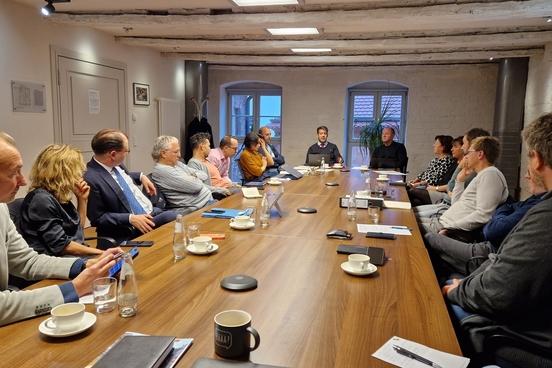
322, 163
127, 292
351, 207
264, 213
179, 239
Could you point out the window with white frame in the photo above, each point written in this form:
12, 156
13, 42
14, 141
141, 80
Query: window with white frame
368, 103
250, 107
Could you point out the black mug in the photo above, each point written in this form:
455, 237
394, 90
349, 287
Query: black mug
233, 334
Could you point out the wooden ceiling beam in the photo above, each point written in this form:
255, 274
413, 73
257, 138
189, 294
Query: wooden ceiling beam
355, 59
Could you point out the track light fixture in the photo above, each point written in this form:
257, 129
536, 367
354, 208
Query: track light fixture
49, 8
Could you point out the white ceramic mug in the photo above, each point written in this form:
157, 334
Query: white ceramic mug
359, 262
66, 317
202, 243
241, 220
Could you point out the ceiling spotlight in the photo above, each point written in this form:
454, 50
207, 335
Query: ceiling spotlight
491, 58
49, 8
548, 19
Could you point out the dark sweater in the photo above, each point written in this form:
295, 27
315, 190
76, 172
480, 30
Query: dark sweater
511, 291
330, 149
389, 157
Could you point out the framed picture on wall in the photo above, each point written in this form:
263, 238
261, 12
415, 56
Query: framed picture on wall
141, 94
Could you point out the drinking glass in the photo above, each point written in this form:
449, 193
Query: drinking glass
374, 213
192, 231
104, 290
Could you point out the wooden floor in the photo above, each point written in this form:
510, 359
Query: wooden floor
308, 312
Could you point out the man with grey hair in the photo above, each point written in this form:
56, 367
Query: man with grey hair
18, 259
181, 185
510, 293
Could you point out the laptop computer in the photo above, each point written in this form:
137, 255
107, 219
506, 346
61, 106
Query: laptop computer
314, 159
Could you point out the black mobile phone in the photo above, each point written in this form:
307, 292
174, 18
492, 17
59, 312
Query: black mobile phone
136, 243
381, 235
376, 254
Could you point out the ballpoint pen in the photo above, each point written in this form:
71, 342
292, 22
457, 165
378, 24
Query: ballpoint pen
401, 227
411, 355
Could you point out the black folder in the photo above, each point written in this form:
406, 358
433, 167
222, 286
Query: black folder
137, 352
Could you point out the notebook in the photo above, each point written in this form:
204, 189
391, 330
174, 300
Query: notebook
137, 352
251, 193
226, 213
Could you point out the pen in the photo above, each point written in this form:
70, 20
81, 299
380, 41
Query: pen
401, 227
411, 355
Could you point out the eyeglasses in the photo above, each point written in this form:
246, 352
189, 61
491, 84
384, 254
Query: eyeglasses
469, 151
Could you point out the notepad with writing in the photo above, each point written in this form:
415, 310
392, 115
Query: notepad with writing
137, 352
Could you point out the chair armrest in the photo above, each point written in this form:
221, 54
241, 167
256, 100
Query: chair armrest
493, 342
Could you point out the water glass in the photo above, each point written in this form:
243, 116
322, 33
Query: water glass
105, 294
192, 231
374, 214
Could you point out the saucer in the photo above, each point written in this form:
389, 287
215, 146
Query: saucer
274, 182
88, 321
192, 249
345, 266
249, 225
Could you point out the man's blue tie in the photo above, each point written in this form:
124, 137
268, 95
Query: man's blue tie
137, 209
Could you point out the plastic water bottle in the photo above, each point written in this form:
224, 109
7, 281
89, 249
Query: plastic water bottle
351, 207
179, 239
127, 292
322, 163
264, 215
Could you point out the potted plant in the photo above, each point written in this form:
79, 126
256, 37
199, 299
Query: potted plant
370, 135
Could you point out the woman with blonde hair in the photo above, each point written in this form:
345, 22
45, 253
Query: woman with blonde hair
49, 221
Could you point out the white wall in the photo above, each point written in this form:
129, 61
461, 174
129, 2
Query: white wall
538, 98
441, 100
26, 38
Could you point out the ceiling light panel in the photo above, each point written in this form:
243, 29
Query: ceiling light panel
264, 2
305, 50
292, 31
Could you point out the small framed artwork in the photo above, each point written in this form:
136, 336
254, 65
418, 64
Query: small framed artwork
141, 94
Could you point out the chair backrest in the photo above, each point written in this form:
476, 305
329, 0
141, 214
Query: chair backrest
157, 200
14, 208
404, 168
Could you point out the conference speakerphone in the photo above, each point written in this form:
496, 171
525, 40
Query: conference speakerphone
362, 203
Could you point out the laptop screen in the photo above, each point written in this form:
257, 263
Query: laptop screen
314, 159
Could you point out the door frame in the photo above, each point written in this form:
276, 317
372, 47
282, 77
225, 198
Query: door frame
55, 53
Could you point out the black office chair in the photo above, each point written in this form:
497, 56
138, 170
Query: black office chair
508, 351
403, 169
158, 199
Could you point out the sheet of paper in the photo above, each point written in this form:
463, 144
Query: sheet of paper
87, 299
251, 192
302, 167
364, 168
389, 355
389, 172
397, 205
385, 229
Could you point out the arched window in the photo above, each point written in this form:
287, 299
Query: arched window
250, 106
370, 102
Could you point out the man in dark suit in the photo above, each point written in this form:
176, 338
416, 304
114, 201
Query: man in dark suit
116, 205
266, 135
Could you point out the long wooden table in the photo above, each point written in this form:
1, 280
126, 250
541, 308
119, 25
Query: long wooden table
308, 312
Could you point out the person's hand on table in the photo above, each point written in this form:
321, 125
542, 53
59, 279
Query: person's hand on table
83, 282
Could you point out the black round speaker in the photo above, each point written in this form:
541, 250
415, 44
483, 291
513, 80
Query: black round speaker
238, 283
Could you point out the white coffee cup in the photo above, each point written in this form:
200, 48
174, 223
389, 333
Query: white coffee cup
202, 243
66, 317
241, 220
359, 262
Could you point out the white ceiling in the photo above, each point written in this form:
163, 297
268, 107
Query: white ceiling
376, 32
